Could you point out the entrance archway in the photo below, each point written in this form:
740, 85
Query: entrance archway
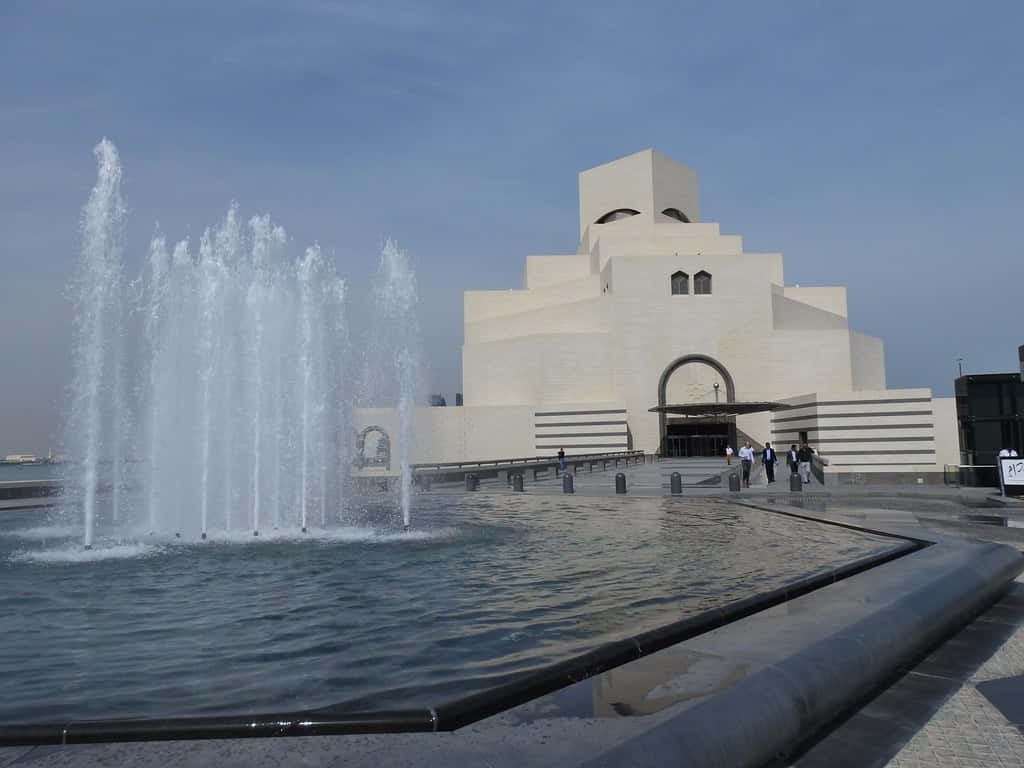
700, 438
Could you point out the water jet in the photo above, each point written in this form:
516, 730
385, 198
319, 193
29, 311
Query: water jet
232, 394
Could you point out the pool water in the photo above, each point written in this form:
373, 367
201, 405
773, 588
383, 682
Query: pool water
363, 614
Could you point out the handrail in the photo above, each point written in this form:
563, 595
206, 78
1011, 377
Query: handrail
518, 460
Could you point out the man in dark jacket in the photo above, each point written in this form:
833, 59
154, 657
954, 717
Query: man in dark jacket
791, 460
769, 459
803, 457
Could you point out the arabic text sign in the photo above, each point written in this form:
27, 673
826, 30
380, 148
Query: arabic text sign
1012, 471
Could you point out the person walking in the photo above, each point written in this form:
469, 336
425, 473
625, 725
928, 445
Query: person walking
747, 460
803, 457
769, 459
791, 460
728, 454
561, 459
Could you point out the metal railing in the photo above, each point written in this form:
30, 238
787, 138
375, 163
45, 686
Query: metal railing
971, 475
29, 493
538, 464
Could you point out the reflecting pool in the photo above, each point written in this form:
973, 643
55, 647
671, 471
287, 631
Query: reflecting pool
362, 613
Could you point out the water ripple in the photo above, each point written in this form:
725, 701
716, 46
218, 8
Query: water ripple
368, 615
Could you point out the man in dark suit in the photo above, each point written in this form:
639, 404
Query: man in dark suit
769, 459
791, 460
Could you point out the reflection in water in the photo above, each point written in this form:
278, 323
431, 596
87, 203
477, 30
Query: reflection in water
369, 616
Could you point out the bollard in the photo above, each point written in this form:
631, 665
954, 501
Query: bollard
517, 482
734, 482
472, 482
620, 483
567, 483
795, 483
676, 483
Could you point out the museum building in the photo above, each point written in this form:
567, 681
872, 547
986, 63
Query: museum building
662, 334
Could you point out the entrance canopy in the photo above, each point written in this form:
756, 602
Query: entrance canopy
717, 410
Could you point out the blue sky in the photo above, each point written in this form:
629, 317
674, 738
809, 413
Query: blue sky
874, 144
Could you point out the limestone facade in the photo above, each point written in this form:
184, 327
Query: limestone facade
655, 296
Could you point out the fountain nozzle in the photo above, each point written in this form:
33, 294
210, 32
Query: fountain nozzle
255, 533
88, 547
203, 536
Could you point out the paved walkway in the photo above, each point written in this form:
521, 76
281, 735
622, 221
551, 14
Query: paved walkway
968, 730
938, 714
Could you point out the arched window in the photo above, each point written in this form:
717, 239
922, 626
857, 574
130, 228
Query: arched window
675, 213
680, 283
616, 215
702, 283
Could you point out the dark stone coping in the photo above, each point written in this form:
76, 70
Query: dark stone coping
452, 715
807, 687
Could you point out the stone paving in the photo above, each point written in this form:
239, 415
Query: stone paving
968, 730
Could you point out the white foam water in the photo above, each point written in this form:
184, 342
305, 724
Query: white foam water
231, 410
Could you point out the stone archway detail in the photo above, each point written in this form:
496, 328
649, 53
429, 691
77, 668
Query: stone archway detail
383, 456
679, 362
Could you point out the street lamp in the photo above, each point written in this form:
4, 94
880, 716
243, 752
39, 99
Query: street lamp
716, 393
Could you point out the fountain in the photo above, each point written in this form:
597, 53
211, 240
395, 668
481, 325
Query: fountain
97, 304
232, 411
395, 292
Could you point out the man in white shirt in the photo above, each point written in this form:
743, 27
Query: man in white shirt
728, 454
747, 459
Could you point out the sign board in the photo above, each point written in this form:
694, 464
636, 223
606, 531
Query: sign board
1011, 475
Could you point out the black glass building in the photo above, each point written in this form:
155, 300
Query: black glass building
990, 416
